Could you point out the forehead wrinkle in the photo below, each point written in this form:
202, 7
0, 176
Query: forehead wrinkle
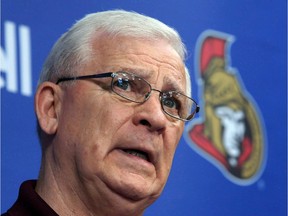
160, 63
136, 56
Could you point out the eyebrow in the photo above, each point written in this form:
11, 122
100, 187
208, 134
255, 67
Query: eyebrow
138, 72
173, 85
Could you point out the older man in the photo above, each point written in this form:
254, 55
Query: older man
111, 106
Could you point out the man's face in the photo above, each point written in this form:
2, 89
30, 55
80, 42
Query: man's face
113, 147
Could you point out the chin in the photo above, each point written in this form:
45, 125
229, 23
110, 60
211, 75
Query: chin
136, 189
132, 199
134, 192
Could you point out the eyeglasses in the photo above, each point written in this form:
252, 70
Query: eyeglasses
138, 90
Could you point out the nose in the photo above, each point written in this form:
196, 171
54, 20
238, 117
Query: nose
150, 114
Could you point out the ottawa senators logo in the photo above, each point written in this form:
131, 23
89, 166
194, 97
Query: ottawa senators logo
229, 133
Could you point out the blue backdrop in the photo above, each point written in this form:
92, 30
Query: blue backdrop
254, 49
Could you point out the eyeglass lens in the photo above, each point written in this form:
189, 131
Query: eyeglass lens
131, 87
138, 90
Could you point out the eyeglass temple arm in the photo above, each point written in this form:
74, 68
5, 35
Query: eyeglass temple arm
109, 74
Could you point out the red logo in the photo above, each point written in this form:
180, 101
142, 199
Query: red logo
229, 132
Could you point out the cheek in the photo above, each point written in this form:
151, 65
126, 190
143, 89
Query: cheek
91, 125
90, 115
171, 142
88, 161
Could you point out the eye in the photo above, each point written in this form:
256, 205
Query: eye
170, 102
123, 84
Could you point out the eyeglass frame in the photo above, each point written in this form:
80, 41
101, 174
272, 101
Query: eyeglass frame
114, 74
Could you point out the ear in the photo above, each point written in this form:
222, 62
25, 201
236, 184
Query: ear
47, 106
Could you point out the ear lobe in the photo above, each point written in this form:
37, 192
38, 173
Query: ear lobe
47, 101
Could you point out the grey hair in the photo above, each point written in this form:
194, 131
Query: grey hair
73, 48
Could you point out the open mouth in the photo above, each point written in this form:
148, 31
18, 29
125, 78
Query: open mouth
137, 153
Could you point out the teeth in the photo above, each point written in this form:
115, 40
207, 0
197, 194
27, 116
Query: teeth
137, 154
